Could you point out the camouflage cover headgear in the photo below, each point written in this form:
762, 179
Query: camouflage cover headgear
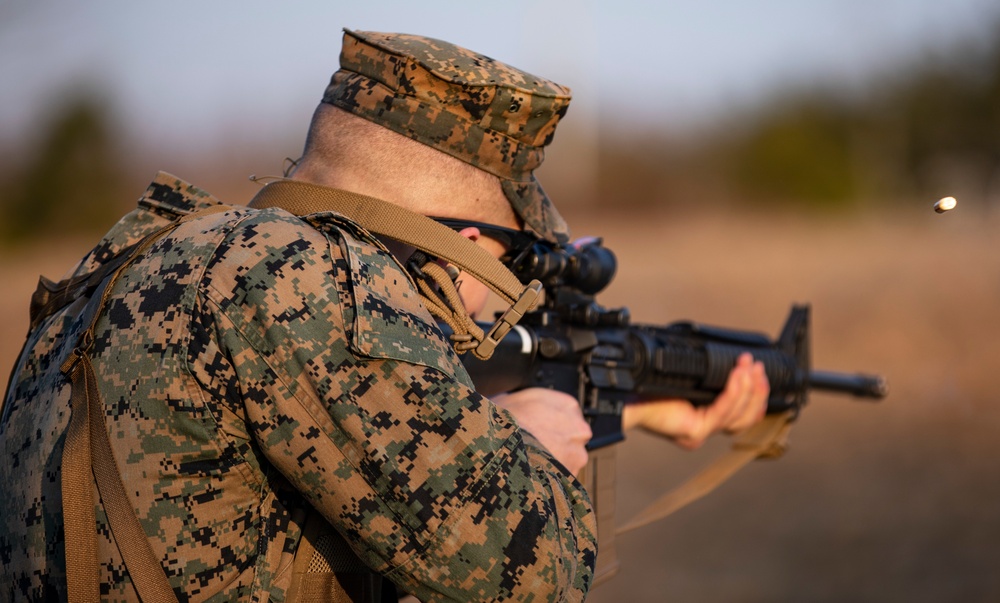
467, 105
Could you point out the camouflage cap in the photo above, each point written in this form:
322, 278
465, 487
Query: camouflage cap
467, 105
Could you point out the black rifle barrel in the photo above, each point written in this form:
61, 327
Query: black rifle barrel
696, 371
862, 386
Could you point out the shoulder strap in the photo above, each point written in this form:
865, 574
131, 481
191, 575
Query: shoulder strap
392, 221
87, 449
49, 297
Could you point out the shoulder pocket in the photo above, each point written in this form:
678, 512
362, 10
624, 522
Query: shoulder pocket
390, 320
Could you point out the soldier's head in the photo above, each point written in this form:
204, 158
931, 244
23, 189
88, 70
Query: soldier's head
438, 128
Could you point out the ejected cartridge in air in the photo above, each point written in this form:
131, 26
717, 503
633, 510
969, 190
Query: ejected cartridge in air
945, 204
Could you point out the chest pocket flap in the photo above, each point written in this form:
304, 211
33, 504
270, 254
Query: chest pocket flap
390, 320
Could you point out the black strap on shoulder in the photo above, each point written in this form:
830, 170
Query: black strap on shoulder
50, 297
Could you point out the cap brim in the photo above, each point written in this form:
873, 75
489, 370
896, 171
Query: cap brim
536, 209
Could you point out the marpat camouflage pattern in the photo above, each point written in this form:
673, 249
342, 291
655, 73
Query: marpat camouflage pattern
251, 365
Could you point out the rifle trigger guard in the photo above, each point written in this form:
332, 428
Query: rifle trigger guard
524, 304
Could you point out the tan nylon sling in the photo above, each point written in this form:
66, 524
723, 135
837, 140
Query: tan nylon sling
766, 439
397, 223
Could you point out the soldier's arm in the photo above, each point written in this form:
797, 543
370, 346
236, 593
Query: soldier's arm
555, 419
432, 484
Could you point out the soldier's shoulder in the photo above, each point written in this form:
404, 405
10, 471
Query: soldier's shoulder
270, 254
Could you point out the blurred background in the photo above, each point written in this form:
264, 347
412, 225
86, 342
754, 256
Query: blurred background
738, 157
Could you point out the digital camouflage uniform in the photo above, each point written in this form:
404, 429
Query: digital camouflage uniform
251, 365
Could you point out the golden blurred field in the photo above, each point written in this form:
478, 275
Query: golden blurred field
898, 501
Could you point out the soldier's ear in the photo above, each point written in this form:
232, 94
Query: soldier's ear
470, 232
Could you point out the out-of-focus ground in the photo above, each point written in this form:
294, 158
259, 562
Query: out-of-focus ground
896, 501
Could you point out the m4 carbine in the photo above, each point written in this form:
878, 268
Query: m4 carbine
596, 355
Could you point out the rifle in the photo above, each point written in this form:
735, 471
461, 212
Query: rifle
574, 345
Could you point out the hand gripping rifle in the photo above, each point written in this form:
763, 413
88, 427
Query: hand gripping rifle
595, 354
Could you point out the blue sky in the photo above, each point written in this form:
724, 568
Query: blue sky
208, 69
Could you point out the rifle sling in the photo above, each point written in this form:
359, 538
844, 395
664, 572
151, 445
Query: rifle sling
418, 231
766, 439
390, 220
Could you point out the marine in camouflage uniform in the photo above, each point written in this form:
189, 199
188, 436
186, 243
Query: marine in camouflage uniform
254, 365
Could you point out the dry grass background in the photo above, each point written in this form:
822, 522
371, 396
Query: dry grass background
898, 501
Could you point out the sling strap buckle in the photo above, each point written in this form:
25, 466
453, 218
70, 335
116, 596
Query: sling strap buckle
524, 304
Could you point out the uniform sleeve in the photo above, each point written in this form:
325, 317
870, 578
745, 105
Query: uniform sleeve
433, 485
